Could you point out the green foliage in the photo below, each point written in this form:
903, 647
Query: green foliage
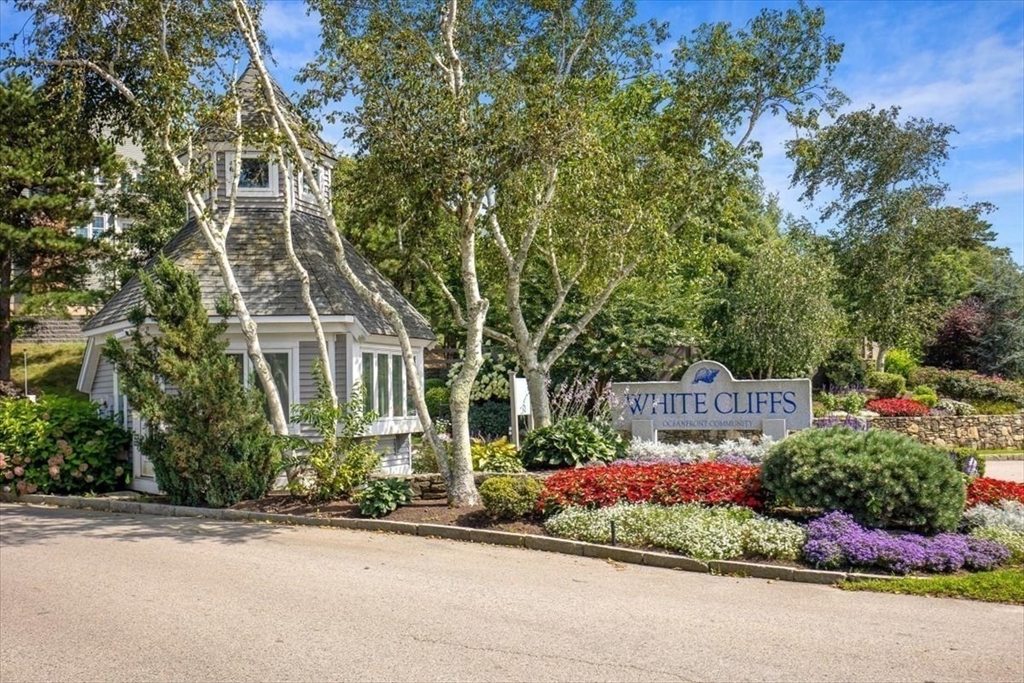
994, 407
1002, 585
495, 456
572, 442
510, 497
437, 402
887, 385
343, 458
900, 362
381, 497
490, 419
966, 385
61, 445
48, 158
924, 375
1006, 536
883, 479
842, 366
209, 442
491, 382
781, 321
926, 395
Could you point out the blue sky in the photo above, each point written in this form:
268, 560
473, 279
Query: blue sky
960, 63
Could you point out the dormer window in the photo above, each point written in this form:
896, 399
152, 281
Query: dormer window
256, 176
307, 191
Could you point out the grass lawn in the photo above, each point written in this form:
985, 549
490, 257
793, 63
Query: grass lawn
1003, 454
1002, 585
52, 368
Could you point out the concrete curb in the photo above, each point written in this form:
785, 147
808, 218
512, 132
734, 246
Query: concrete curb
454, 533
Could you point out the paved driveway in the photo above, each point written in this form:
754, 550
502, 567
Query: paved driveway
1011, 470
90, 596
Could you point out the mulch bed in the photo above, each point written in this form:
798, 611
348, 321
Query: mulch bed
418, 512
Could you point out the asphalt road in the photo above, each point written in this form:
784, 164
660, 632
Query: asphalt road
88, 596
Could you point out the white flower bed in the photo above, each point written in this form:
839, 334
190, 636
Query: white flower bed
648, 451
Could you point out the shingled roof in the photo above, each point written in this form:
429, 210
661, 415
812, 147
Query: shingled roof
265, 276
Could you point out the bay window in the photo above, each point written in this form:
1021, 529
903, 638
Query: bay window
384, 385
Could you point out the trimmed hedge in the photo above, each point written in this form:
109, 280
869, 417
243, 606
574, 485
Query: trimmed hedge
882, 479
510, 497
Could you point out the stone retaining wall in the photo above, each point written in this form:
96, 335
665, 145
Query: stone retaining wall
52, 331
973, 431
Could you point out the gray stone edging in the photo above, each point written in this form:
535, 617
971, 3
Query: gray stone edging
455, 533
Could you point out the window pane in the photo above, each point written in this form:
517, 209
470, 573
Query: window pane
254, 174
82, 231
97, 222
368, 388
397, 385
279, 365
384, 408
306, 189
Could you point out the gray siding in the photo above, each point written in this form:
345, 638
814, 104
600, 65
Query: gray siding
308, 354
395, 454
103, 382
341, 383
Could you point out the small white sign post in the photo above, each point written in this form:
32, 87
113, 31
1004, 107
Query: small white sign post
519, 398
708, 398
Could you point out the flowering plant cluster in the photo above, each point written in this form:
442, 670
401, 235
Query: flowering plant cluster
706, 533
897, 407
992, 491
663, 484
1002, 523
836, 540
741, 451
60, 445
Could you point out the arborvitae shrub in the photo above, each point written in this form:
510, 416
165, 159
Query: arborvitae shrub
883, 479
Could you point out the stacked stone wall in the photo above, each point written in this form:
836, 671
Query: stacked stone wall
973, 431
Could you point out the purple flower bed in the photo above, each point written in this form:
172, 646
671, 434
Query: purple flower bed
835, 540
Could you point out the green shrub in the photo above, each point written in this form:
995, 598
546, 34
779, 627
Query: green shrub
887, 385
496, 456
383, 496
510, 497
924, 394
62, 446
853, 402
965, 385
900, 362
437, 402
213, 446
843, 367
924, 374
994, 407
490, 419
342, 459
572, 442
883, 479
829, 401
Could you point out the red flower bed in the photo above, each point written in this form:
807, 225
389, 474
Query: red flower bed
897, 407
663, 484
991, 491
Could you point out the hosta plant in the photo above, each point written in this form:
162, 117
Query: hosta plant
495, 456
882, 478
383, 496
572, 442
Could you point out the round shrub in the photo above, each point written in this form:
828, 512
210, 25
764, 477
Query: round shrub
897, 407
510, 497
882, 479
437, 399
886, 384
925, 395
571, 442
900, 362
61, 445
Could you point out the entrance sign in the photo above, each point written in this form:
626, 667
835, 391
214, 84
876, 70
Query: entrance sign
707, 397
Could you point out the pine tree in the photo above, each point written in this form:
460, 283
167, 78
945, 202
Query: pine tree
48, 162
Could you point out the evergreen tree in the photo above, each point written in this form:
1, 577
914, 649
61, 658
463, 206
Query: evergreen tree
48, 162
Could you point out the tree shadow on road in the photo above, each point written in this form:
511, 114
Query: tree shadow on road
24, 524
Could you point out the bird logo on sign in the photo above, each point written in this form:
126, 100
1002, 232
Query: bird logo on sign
705, 376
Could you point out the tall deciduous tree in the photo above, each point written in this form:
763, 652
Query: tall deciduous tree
883, 175
48, 163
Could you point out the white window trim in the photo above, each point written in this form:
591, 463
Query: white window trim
229, 177
357, 376
292, 349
